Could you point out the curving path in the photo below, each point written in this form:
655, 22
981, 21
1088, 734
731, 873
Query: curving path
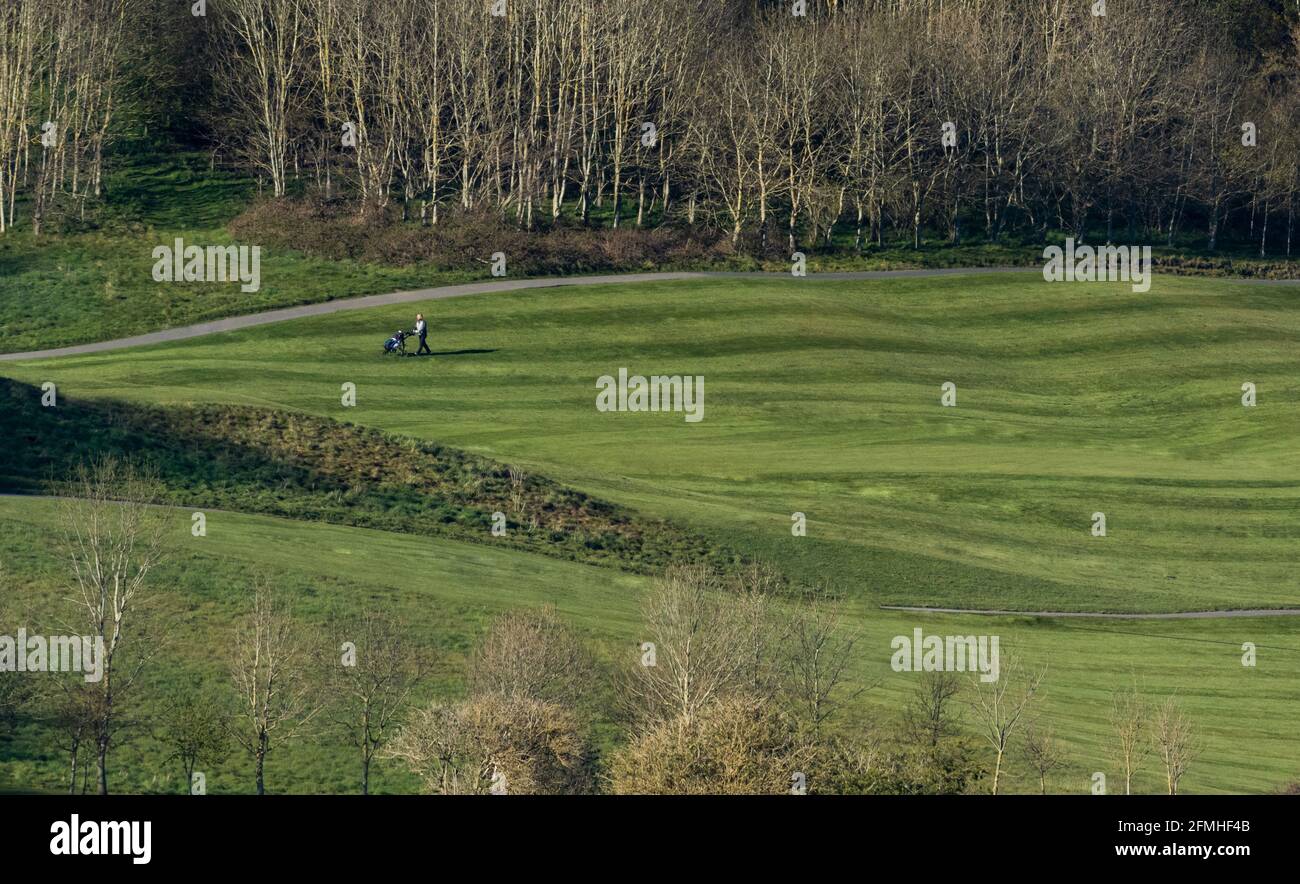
1176, 615
453, 291
233, 323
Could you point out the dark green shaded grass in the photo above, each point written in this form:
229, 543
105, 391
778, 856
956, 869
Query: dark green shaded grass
309, 468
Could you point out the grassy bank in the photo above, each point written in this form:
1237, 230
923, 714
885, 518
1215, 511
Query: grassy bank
449, 592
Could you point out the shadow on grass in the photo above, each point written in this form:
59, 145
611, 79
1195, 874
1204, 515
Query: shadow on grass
310, 468
457, 352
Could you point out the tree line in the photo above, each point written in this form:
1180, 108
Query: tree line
965, 117
60, 73
869, 118
740, 686
877, 117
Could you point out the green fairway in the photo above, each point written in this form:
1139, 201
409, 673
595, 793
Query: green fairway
448, 591
823, 397
653, 397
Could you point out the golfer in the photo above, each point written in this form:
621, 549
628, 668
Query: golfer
422, 329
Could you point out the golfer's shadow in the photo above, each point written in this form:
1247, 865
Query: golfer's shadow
458, 352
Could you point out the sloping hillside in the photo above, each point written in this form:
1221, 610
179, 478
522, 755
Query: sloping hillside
304, 467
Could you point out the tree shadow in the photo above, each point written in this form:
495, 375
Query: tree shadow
317, 469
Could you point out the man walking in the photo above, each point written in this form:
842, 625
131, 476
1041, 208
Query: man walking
422, 329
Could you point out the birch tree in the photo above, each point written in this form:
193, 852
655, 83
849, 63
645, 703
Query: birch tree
265, 64
999, 706
112, 538
275, 685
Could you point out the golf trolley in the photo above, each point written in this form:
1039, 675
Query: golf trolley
397, 343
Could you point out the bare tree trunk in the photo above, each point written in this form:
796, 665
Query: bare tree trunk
101, 755
72, 783
260, 763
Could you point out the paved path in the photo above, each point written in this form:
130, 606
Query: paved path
481, 288
1179, 615
452, 291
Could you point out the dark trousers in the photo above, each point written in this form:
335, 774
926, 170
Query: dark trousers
424, 347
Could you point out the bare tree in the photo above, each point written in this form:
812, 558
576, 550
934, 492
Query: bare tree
493, 743
193, 730
821, 650
277, 691
758, 115
516, 732
369, 685
72, 710
736, 745
266, 63
998, 707
326, 21
24, 37
722, 141
532, 653
695, 652
1043, 752
112, 536
763, 634
59, 69
929, 715
1174, 740
1128, 720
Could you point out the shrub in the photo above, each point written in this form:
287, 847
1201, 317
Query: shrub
465, 240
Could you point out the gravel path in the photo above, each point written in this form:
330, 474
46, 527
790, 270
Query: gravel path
450, 291
1179, 615
481, 288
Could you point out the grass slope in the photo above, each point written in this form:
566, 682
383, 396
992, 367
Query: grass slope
823, 397
315, 469
449, 591
97, 284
